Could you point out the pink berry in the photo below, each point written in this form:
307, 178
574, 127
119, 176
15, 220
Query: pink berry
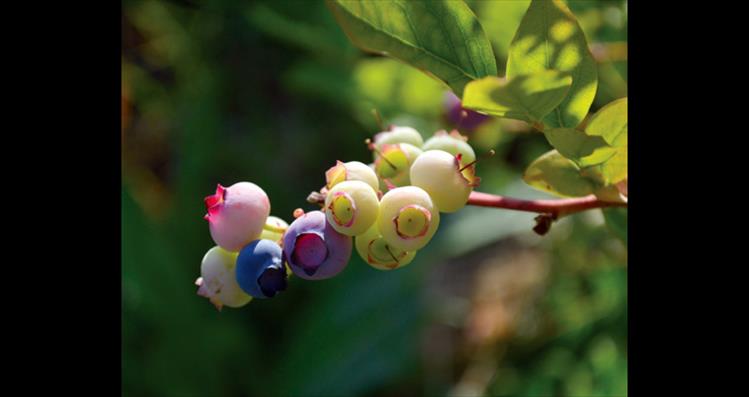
236, 215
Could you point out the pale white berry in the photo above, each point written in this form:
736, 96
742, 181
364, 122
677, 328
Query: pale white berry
453, 143
351, 207
217, 280
398, 134
439, 173
351, 171
408, 218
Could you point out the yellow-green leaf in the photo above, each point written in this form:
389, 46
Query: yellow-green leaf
614, 170
583, 149
440, 37
555, 174
610, 123
524, 97
549, 37
558, 175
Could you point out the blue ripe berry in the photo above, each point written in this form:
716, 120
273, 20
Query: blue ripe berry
260, 270
313, 249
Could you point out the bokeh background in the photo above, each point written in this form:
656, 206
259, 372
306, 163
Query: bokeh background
273, 92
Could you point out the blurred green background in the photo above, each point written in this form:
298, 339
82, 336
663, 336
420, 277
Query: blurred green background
273, 92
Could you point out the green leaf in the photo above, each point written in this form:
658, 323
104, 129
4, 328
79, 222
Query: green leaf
442, 37
610, 123
616, 220
558, 175
608, 193
583, 149
549, 37
614, 170
525, 97
555, 174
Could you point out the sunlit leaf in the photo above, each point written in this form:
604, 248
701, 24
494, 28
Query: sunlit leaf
610, 123
583, 149
614, 170
524, 97
442, 37
558, 175
549, 37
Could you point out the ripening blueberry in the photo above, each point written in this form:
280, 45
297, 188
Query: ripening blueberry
351, 207
313, 249
351, 171
453, 143
394, 162
217, 281
462, 118
376, 252
408, 218
236, 214
441, 175
398, 134
260, 270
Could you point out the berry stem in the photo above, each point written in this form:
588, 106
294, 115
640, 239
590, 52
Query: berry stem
372, 147
391, 254
491, 153
378, 119
555, 207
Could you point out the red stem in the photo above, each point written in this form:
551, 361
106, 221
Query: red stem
555, 207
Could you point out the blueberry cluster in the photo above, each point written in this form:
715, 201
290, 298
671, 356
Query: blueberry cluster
256, 252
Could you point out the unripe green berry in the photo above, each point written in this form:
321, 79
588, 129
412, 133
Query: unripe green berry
394, 162
376, 252
351, 207
408, 218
